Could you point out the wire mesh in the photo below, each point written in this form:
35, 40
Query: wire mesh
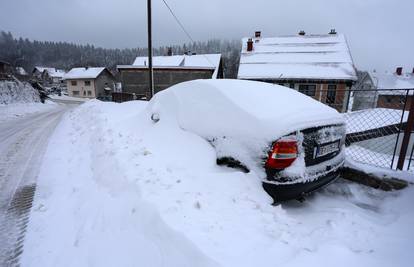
376, 120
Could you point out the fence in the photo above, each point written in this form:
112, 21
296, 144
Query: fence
379, 125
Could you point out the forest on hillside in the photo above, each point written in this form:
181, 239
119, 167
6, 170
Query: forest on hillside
28, 53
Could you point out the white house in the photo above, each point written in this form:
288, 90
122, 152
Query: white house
319, 65
89, 82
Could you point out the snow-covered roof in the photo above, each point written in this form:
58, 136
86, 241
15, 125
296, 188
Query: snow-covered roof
83, 73
21, 71
211, 61
392, 80
56, 73
322, 57
52, 72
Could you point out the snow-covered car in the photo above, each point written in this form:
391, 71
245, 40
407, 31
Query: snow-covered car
293, 142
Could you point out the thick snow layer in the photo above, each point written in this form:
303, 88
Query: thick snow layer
87, 212
297, 57
199, 60
240, 118
117, 189
17, 92
16, 110
368, 119
83, 73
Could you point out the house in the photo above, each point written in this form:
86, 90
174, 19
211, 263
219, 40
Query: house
5, 67
89, 82
48, 76
320, 65
392, 87
53, 77
169, 70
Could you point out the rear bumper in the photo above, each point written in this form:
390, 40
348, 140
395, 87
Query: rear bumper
283, 192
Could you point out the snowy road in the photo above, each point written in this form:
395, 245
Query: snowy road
23, 142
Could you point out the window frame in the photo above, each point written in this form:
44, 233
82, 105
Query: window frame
87, 83
331, 94
74, 83
307, 91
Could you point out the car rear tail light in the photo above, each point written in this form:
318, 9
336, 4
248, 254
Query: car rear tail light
283, 153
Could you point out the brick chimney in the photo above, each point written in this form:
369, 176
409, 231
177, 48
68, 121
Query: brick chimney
399, 71
257, 34
169, 51
302, 33
249, 45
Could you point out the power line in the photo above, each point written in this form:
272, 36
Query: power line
183, 28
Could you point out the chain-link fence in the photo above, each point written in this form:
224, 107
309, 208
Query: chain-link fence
376, 125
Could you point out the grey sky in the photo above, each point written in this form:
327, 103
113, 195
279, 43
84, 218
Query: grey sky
380, 32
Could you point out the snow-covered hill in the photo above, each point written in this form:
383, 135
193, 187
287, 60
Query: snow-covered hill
17, 92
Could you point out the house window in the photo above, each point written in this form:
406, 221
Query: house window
331, 94
308, 89
84, 93
87, 83
89, 92
75, 93
73, 83
292, 85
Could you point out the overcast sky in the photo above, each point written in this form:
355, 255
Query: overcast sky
380, 32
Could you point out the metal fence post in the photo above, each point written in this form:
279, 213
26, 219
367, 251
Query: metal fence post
407, 134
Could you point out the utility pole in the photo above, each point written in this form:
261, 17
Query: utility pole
150, 70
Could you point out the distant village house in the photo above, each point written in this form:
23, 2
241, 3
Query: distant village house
392, 87
5, 68
319, 66
169, 70
89, 82
48, 76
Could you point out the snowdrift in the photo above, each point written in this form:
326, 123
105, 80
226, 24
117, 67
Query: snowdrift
17, 92
118, 189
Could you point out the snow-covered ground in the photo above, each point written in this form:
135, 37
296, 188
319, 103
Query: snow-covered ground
367, 119
68, 98
23, 141
118, 190
17, 110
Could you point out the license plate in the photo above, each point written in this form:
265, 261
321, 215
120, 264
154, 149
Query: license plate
324, 150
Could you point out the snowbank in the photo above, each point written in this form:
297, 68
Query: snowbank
17, 92
84, 198
121, 190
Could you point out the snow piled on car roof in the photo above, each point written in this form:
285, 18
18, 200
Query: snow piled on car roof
242, 108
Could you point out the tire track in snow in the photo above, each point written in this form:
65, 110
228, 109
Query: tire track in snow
23, 144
